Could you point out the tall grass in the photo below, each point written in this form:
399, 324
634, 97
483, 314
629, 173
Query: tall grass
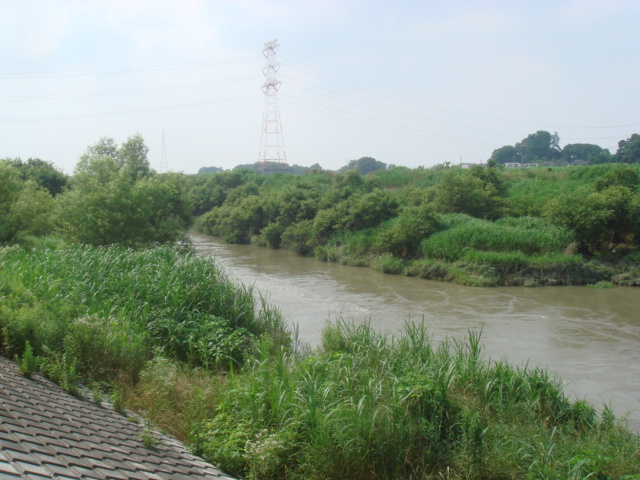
374, 406
527, 235
108, 307
366, 405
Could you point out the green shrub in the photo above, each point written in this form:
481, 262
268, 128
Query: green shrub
387, 264
299, 238
402, 236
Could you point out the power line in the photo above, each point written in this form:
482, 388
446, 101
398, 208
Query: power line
375, 123
446, 109
69, 96
123, 112
119, 71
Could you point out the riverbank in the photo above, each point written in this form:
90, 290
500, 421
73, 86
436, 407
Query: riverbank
476, 227
171, 335
487, 269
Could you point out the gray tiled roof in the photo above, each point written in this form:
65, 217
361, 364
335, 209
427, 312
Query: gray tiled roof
46, 433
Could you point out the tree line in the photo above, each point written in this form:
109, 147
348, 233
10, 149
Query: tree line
544, 148
392, 218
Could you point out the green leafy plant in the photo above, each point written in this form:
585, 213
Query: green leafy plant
27, 363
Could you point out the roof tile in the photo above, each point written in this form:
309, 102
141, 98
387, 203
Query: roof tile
6, 469
46, 433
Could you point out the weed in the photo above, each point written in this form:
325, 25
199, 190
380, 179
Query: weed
148, 437
28, 363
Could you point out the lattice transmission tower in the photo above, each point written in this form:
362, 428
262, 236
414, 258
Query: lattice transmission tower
164, 163
272, 155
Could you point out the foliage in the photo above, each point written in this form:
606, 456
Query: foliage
543, 147
527, 235
364, 165
473, 192
26, 209
372, 406
116, 198
98, 312
381, 220
582, 152
44, 174
403, 235
210, 170
599, 220
629, 150
27, 363
536, 147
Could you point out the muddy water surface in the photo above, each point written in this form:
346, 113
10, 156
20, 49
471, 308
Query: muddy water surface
590, 337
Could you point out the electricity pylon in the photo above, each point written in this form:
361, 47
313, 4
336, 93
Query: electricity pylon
272, 155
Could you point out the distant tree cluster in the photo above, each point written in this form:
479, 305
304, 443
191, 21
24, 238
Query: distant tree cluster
544, 147
364, 165
292, 169
210, 170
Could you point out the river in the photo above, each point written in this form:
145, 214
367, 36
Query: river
589, 337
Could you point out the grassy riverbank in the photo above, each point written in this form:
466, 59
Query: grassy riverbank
171, 335
478, 226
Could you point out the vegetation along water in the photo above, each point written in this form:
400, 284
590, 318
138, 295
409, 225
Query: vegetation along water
99, 292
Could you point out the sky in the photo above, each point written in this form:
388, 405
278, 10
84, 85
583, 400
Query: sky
408, 82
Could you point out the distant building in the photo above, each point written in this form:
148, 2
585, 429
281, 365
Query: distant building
513, 165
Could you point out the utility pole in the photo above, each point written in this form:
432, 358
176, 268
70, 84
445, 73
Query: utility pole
272, 156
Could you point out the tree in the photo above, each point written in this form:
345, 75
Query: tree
132, 155
10, 186
539, 146
629, 150
466, 191
506, 154
599, 220
44, 174
116, 198
210, 170
364, 165
581, 152
26, 209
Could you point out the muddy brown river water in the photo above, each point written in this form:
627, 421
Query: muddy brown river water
589, 337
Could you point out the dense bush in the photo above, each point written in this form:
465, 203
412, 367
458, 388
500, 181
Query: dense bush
26, 209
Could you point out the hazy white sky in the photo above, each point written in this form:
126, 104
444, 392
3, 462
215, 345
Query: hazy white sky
409, 82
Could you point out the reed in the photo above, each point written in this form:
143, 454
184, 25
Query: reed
369, 405
530, 236
110, 306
